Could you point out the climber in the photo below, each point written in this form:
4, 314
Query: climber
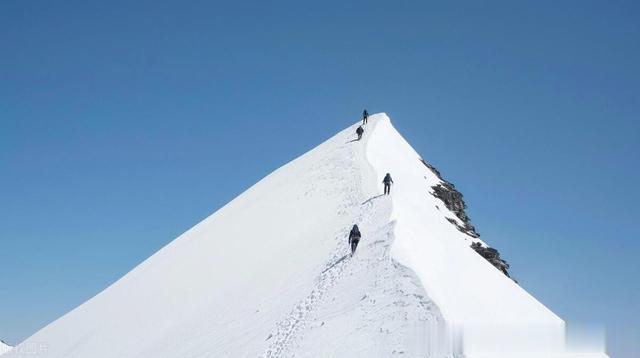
365, 117
354, 238
359, 132
387, 184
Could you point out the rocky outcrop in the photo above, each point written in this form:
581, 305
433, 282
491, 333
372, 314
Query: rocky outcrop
454, 201
432, 168
493, 256
461, 228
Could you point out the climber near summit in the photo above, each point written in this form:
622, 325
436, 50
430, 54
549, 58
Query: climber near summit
359, 132
365, 117
354, 238
387, 181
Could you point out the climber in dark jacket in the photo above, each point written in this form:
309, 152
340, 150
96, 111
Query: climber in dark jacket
387, 181
354, 238
359, 132
365, 117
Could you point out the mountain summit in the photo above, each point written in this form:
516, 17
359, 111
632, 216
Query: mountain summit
271, 275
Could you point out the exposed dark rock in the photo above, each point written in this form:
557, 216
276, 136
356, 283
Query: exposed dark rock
432, 168
462, 229
454, 201
493, 256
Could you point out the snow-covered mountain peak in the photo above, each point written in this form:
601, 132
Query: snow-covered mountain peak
270, 274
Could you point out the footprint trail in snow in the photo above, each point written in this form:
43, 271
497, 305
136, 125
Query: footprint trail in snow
369, 293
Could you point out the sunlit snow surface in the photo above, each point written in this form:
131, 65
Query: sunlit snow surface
4, 348
269, 275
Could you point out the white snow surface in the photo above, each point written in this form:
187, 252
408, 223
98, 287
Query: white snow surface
4, 348
269, 275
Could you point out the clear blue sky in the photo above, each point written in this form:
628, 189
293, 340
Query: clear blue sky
122, 124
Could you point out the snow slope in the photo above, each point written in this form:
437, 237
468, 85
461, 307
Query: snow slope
493, 314
269, 275
4, 348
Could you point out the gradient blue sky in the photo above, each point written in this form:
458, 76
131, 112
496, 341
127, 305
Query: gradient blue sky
122, 124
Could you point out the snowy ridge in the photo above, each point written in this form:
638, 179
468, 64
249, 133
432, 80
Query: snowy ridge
493, 315
270, 275
352, 307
